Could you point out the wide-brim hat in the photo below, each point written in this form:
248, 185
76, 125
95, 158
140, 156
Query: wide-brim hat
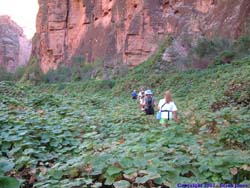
148, 92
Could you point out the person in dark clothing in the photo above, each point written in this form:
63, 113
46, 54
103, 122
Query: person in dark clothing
134, 95
149, 102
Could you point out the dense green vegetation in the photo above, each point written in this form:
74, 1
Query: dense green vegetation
92, 134
9, 76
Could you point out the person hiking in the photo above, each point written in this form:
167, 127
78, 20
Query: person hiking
141, 96
168, 110
149, 103
134, 95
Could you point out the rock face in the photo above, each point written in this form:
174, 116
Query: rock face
15, 49
128, 31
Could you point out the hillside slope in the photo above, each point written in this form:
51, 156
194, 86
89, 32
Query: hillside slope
91, 134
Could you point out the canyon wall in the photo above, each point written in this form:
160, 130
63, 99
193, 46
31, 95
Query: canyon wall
15, 48
128, 31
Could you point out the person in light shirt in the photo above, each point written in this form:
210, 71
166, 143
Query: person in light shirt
141, 97
168, 110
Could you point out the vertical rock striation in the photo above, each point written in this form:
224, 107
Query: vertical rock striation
127, 31
15, 48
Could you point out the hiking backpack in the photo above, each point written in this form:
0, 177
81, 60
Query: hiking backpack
149, 106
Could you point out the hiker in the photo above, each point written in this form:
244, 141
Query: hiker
149, 102
141, 96
168, 110
134, 95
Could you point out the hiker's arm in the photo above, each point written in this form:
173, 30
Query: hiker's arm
143, 102
175, 116
158, 106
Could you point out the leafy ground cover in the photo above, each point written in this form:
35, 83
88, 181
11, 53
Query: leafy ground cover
91, 134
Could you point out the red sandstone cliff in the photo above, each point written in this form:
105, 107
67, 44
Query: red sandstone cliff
15, 48
127, 31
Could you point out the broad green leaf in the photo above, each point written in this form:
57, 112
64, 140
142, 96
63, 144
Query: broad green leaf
57, 174
130, 171
6, 165
144, 179
112, 170
110, 180
22, 161
121, 184
126, 163
29, 151
159, 181
8, 182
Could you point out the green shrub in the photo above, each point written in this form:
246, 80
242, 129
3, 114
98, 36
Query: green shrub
221, 51
204, 47
33, 72
225, 57
78, 71
211, 47
12, 76
242, 45
66, 73
244, 60
5, 75
19, 72
83, 72
61, 74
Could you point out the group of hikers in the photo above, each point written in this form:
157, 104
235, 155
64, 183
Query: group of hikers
167, 110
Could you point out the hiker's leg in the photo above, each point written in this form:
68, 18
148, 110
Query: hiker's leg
167, 125
163, 122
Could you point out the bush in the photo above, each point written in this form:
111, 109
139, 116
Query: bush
225, 57
5, 75
9, 76
82, 71
220, 51
204, 47
242, 45
33, 72
211, 47
61, 74
19, 73
64, 73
